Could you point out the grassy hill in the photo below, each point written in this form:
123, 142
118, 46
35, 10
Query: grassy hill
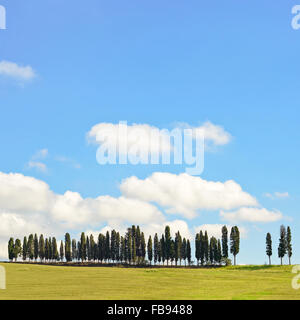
26, 281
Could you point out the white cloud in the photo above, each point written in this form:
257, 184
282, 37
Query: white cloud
67, 160
252, 215
13, 70
40, 154
185, 194
212, 133
40, 166
215, 230
277, 195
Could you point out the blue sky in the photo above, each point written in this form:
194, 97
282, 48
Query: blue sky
232, 63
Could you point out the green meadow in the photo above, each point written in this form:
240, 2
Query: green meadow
29, 281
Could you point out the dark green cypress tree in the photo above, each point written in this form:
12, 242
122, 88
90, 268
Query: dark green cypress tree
50, 249
201, 248
219, 252
184, 251
206, 247
163, 249
79, 255
289, 244
107, 247
143, 247
41, 248
167, 244
46, 250
74, 250
11, 244
129, 246
197, 248
235, 242
178, 243
282, 249
61, 251
118, 247
225, 242
17, 249
269, 250
55, 255
188, 252
113, 245
150, 250
36, 247
88, 249
24, 249
68, 253
133, 250
83, 249
122, 250
30, 247
156, 248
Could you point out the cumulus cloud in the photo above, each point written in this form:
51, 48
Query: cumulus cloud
215, 230
252, 215
185, 194
16, 71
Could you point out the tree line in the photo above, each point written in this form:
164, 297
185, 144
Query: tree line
130, 249
284, 247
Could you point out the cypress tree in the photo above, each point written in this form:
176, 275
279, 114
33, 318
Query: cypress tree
88, 249
201, 248
17, 249
206, 247
50, 248
11, 245
79, 251
178, 243
36, 247
107, 247
133, 250
184, 251
235, 242
150, 250
113, 245
225, 242
269, 247
219, 252
61, 251
30, 247
55, 255
24, 249
83, 250
46, 249
68, 253
42, 248
197, 248
282, 248
143, 247
156, 248
74, 250
122, 250
172, 251
188, 251
167, 244
289, 244
118, 247
163, 249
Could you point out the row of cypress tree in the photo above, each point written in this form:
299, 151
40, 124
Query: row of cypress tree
284, 247
130, 248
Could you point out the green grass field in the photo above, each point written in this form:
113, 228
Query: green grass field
53, 282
